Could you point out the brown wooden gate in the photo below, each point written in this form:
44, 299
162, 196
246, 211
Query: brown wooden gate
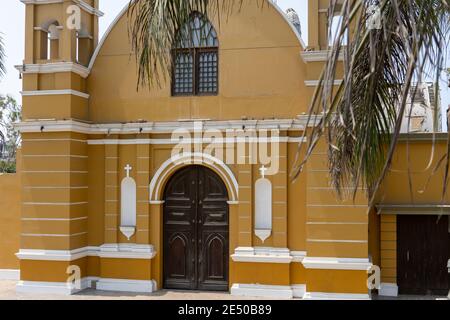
196, 223
422, 255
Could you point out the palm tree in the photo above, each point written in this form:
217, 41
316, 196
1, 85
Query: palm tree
2, 57
390, 45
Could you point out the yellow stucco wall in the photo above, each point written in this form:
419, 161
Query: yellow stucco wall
72, 176
9, 220
10, 206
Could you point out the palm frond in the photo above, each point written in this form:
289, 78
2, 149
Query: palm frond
361, 119
153, 28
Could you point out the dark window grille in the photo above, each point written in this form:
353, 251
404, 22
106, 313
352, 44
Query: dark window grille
196, 59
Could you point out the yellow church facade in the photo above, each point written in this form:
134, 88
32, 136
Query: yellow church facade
105, 202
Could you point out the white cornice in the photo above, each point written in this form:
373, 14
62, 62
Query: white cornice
193, 141
56, 67
83, 5
159, 127
328, 263
115, 251
318, 56
54, 93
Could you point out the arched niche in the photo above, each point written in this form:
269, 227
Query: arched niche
128, 207
263, 209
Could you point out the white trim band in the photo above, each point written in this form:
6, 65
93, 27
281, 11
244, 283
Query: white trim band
54, 93
46, 125
125, 285
56, 67
9, 274
267, 255
327, 263
115, 251
388, 289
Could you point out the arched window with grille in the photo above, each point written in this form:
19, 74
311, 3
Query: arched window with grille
196, 59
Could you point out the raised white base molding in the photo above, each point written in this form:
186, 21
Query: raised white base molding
119, 285
290, 292
335, 296
388, 290
62, 288
58, 288
264, 291
9, 274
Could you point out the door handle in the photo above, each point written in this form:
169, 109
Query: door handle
407, 255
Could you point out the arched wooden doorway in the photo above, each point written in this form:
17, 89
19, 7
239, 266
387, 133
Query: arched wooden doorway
196, 231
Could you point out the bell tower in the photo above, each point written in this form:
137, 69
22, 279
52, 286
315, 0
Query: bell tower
318, 17
60, 31
60, 39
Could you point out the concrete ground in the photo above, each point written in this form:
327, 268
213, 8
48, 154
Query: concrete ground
8, 292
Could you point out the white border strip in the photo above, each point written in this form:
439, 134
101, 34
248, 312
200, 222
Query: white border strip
122, 285
328, 263
267, 255
36, 125
114, 251
9, 274
54, 93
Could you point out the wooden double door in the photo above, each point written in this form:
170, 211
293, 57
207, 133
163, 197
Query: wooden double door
423, 250
196, 231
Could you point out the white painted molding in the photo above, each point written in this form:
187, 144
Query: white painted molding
298, 256
105, 284
262, 255
55, 255
264, 291
127, 231
299, 290
388, 290
193, 141
315, 83
327, 263
36, 125
82, 4
174, 163
54, 93
289, 292
263, 234
335, 296
9, 274
318, 56
56, 67
118, 251
58, 288
121, 285
127, 251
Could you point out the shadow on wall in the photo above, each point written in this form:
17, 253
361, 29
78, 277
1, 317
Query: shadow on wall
10, 214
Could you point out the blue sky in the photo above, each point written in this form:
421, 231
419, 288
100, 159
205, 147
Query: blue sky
12, 16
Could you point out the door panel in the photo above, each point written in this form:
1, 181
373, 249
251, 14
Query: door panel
196, 221
422, 255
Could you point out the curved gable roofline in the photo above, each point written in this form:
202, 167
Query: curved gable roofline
124, 10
